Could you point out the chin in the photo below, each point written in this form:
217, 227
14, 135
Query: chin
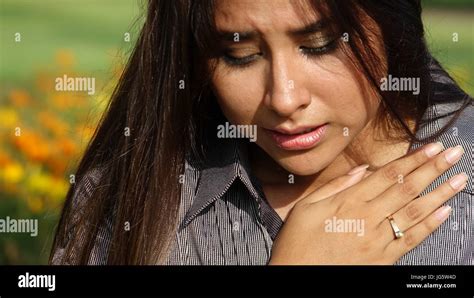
307, 163
302, 165
302, 169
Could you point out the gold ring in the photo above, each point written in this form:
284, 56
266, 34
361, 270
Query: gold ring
396, 230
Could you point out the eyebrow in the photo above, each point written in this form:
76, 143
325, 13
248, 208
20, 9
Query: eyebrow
318, 26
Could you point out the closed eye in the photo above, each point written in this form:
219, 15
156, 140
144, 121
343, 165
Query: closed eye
315, 51
242, 62
239, 61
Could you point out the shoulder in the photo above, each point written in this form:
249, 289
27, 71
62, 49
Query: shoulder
459, 132
457, 119
454, 118
462, 125
82, 190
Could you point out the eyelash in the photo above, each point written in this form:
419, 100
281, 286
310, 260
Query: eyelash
310, 52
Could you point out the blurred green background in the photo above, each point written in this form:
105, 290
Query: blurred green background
83, 38
87, 38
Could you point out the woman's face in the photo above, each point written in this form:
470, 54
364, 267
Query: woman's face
305, 97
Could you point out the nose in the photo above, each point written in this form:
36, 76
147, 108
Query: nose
285, 93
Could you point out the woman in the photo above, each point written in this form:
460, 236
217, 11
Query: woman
328, 86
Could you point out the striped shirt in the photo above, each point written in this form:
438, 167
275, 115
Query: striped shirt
224, 218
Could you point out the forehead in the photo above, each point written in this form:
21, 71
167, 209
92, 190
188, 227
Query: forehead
263, 15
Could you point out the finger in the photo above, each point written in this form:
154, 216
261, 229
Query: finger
368, 173
411, 186
415, 235
419, 209
338, 184
389, 174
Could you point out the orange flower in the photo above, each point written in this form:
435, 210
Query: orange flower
35, 204
19, 98
61, 100
67, 146
57, 165
33, 146
65, 58
67, 100
45, 82
54, 124
4, 159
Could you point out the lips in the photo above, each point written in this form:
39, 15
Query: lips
298, 138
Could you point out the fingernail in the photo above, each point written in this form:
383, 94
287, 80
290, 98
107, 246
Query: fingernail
454, 154
358, 169
457, 181
433, 149
442, 213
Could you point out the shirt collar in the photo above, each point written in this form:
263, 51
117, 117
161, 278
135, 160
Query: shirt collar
227, 160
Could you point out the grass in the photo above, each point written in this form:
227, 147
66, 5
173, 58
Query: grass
456, 57
458, 4
92, 30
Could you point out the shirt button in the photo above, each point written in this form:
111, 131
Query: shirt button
236, 226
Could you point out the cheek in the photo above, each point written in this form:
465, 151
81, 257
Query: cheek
350, 108
238, 96
344, 92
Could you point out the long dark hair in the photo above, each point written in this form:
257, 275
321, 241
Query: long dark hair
167, 123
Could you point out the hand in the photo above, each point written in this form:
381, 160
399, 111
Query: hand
345, 221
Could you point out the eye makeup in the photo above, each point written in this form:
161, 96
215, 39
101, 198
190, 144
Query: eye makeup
318, 45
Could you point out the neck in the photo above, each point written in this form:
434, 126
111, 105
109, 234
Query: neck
368, 147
